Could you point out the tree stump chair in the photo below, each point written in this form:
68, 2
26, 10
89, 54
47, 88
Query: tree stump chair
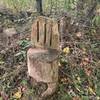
42, 58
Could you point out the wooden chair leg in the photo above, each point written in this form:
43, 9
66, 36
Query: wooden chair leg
50, 90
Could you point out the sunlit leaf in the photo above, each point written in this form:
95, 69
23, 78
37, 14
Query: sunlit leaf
66, 50
98, 98
17, 95
78, 34
78, 78
2, 62
59, 64
91, 90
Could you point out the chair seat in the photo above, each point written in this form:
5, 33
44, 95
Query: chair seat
42, 64
48, 55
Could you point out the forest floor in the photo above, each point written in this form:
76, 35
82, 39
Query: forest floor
79, 66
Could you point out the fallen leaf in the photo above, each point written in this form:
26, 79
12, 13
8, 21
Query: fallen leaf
88, 71
66, 50
78, 89
78, 78
84, 50
17, 95
98, 98
86, 59
59, 64
84, 63
2, 62
91, 90
79, 34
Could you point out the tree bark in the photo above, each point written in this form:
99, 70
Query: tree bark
39, 6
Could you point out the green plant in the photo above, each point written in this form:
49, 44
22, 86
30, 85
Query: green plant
18, 5
21, 55
24, 44
96, 20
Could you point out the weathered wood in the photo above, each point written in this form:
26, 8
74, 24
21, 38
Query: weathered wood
48, 32
41, 31
42, 60
45, 33
48, 56
42, 70
34, 34
55, 36
7, 35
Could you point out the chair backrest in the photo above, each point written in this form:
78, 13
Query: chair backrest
45, 33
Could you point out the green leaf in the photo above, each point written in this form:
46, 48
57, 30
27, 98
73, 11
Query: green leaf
2, 62
96, 20
98, 89
82, 73
24, 82
1, 98
85, 98
66, 97
24, 43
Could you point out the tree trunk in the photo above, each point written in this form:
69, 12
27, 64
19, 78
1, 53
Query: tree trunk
39, 6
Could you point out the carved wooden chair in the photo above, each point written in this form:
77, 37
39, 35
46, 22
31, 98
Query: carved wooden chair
42, 58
